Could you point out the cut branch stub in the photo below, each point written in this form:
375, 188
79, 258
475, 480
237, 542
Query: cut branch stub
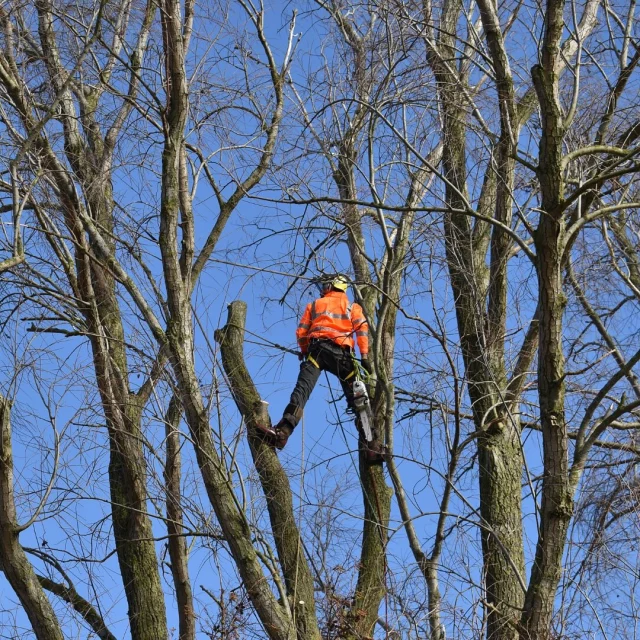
274, 480
231, 341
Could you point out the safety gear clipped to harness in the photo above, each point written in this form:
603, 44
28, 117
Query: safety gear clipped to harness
363, 409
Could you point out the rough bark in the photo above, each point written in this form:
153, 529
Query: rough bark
482, 334
180, 342
557, 496
235, 527
177, 543
376, 494
499, 446
13, 560
494, 397
295, 569
371, 587
89, 156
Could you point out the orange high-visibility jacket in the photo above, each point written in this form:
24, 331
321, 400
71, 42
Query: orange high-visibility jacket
333, 317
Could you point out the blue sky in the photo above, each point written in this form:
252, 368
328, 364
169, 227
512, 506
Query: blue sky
320, 456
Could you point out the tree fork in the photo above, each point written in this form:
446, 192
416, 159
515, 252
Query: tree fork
274, 480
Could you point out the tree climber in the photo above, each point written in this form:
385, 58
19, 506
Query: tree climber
325, 337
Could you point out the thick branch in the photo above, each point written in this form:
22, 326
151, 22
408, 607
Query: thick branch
177, 543
13, 560
80, 605
273, 478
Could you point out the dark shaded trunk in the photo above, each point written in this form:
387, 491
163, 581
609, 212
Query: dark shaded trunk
13, 560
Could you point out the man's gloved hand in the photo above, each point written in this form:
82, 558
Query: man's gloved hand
301, 356
366, 365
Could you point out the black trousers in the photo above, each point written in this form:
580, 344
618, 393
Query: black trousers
329, 357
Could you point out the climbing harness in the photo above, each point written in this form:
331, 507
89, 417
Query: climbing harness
313, 361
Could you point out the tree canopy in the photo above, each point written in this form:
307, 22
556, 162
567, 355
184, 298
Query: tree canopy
175, 177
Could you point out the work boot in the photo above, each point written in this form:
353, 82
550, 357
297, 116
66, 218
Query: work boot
282, 432
266, 432
374, 452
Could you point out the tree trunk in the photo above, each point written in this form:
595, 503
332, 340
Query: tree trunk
179, 341
376, 494
499, 452
132, 529
371, 587
557, 495
295, 569
13, 560
235, 527
482, 333
95, 287
177, 542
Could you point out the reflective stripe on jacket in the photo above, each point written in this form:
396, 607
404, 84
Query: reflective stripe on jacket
333, 317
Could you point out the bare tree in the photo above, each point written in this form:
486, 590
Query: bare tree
472, 168
494, 217
80, 177
13, 559
96, 56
